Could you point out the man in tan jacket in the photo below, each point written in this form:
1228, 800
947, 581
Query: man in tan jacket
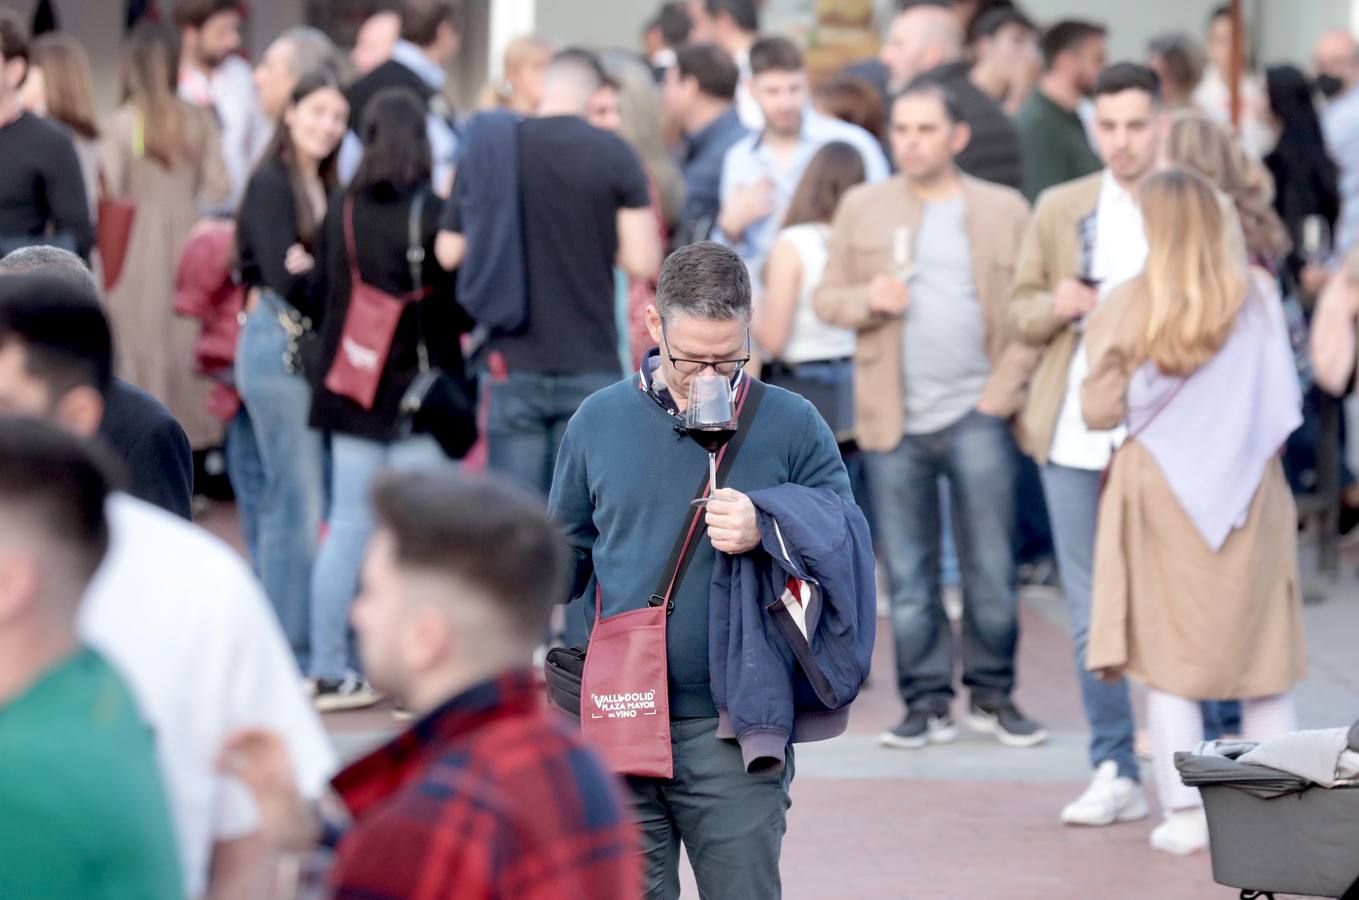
920, 266
1085, 240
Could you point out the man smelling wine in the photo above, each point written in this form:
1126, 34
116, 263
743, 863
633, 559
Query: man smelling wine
626, 475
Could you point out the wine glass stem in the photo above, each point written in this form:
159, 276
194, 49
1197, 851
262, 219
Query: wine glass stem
712, 474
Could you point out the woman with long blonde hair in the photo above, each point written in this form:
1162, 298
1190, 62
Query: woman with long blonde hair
163, 155
1195, 579
1195, 141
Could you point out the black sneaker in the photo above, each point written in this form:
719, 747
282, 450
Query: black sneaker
1004, 720
1039, 573
350, 692
922, 726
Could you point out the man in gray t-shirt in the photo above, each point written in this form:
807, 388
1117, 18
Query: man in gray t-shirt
944, 364
920, 267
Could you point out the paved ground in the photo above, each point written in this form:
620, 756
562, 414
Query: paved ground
975, 819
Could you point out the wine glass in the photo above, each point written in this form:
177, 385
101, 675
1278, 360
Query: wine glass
903, 259
710, 419
1085, 262
1316, 241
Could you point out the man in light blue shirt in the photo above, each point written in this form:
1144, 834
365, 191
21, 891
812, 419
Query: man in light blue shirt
761, 172
431, 35
1337, 62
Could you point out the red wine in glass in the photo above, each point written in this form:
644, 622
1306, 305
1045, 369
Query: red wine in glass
710, 437
710, 419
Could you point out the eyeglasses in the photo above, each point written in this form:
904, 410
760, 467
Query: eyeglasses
694, 366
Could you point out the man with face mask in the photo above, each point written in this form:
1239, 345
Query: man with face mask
1337, 65
761, 171
1083, 232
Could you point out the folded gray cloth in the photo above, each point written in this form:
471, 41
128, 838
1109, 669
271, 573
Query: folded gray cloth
1323, 757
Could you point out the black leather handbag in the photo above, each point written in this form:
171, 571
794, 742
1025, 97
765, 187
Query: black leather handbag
436, 403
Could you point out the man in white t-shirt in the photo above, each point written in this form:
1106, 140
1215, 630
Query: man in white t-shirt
173, 609
1084, 240
211, 74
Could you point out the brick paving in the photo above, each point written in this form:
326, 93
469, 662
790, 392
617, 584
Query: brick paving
974, 819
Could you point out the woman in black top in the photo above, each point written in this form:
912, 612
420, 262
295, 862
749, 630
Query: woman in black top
283, 206
1306, 184
1305, 177
395, 172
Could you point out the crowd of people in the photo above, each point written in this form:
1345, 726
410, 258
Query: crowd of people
966, 307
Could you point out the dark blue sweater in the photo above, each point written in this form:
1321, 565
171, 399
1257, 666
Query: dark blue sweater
621, 491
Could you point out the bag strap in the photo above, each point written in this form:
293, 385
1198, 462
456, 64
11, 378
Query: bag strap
414, 246
1170, 398
748, 399
415, 258
354, 275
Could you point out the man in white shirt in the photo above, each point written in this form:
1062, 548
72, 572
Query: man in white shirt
211, 74
1337, 65
173, 609
1084, 240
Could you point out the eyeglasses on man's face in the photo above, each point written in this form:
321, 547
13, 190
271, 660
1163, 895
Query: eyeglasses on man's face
726, 367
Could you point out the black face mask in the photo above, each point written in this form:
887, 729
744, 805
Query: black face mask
1330, 86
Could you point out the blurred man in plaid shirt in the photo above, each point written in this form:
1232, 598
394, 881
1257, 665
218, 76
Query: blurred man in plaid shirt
488, 794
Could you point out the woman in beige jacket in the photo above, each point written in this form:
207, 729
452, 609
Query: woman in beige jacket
1195, 582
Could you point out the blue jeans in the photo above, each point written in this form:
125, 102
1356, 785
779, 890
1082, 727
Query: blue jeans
245, 470
526, 418
293, 456
1035, 531
1073, 505
978, 457
335, 580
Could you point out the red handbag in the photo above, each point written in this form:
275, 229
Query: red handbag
113, 233
369, 323
624, 691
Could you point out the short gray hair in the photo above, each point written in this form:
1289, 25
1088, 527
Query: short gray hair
312, 50
704, 281
53, 261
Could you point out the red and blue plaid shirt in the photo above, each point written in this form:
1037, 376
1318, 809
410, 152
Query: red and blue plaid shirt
488, 796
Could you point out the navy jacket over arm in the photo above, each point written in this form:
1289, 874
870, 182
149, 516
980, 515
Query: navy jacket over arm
486, 209
770, 683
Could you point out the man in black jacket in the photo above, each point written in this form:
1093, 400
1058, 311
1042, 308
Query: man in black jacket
925, 46
431, 35
153, 448
42, 193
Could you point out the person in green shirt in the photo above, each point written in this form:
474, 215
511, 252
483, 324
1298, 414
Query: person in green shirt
1053, 140
82, 812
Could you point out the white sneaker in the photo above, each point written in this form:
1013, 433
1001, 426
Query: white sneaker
1185, 831
1109, 799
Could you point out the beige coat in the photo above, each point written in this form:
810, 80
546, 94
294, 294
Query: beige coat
154, 347
1050, 254
861, 248
1166, 608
